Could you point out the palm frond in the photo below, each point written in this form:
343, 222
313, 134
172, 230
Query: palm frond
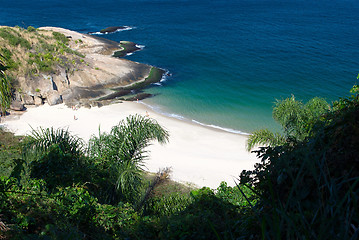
264, 137
122, 151
40, 140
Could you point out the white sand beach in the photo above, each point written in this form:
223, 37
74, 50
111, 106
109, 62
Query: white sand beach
196, 154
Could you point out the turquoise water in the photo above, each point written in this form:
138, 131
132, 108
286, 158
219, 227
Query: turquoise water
229, 60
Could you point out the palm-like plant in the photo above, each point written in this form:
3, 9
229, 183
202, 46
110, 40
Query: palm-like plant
56, 156
123, 151
297, 120
39, 141
5, 88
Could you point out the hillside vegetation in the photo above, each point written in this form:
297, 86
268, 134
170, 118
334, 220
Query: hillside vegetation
54, 186
29, 52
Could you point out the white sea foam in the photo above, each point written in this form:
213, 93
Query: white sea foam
126, 28
221, 128
182, 118
140, 46
164, 76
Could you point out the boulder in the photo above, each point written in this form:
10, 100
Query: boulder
38, 100
28, 100
53, 98
17, 106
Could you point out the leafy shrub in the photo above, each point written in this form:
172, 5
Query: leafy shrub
309, 189
9, 61
167, 205
234, 195
60, 37
14, 38
118, 221
10, 149
31, 29
207, 217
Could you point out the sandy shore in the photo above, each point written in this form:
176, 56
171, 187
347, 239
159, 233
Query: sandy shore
196, 154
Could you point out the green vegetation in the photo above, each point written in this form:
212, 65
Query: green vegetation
60, 37
32, 51
54, 186
7, 58
297, 120
308, 189
31, 29
14, 38
5, 88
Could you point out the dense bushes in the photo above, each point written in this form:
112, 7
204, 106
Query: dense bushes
303, 189
309, 189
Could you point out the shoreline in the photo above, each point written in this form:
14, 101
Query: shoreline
195, 122
197, 154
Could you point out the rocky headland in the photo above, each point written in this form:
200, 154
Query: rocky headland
56, 65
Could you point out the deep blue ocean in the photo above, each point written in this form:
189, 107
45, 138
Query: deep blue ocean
229, 60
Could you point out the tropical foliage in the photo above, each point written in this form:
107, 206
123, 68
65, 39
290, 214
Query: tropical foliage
5, 88
296, 119
309, 189
122, 152
303, 189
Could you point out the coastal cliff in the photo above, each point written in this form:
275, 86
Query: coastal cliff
56, 65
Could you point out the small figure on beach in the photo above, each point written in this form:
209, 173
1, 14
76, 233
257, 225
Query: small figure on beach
147, 115
75, 118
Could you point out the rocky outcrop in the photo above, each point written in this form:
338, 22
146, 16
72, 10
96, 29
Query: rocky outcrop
112, 29
94, 75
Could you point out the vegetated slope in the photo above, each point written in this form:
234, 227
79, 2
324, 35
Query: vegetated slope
303, 189
31, 52
55, 64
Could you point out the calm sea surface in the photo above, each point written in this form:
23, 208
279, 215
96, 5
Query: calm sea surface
229, 60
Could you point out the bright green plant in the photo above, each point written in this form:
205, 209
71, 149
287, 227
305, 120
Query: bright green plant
40, 140
296, 119
122, 152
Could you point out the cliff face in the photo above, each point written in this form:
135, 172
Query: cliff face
55, 64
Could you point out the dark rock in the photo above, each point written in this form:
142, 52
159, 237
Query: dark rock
111, 29
139, 96
17, 106
127, 47
117, 94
